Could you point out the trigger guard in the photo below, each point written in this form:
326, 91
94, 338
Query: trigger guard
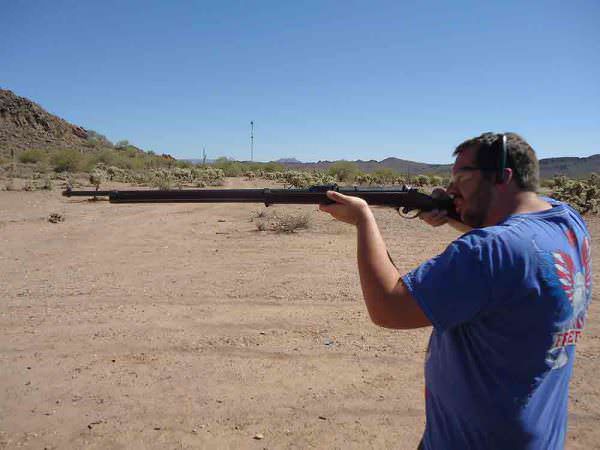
404, 213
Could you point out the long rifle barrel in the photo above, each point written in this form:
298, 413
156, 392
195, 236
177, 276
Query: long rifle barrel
406, 198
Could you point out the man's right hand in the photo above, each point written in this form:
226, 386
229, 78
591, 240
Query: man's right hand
437, 217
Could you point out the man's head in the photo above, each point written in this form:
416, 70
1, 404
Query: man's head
479, 180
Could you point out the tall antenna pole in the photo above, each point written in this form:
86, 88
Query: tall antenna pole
251, 140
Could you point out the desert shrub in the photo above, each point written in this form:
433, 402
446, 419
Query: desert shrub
384, 176
67, 160
183, 164
400, 180
229, 168
283, 222
97, 176
583, 195
33, 156
162, 181
208, 176
365, 178
299, 179
320, 177
273, 167
421, 180
98, 139
47, 183
289, 223
42, 181
38, 182
262, 214
107, 157
436, 180
344, 171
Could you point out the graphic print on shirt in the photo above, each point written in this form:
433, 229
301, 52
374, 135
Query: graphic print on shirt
575, 288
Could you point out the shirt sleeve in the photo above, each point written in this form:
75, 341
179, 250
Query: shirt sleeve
453, 287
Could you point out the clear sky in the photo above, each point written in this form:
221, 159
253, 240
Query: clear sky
320, 79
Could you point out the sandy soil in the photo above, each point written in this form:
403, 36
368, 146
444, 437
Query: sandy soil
182, 326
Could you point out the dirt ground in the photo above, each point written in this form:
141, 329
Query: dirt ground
183, 326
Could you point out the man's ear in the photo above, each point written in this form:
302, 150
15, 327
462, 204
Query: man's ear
507, 176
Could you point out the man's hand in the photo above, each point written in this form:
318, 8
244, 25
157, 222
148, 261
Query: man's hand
346, 208
437, 217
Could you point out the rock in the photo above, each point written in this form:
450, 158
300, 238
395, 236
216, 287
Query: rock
259, 436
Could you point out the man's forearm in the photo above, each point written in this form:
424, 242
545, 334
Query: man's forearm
378, 276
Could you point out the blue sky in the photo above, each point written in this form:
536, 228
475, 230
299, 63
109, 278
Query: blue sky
321, 80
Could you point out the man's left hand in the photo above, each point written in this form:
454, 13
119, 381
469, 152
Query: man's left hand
346, 208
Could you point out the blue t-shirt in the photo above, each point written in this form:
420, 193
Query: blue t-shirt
508, 304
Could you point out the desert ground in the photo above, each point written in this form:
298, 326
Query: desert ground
184, 326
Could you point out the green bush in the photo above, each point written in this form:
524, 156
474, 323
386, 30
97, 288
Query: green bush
183, 164
33, 156
385, 176
230, 168
107, 157
422, 180
273, 167
68, 160
344, 171
436, 180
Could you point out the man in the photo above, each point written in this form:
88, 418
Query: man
507, 301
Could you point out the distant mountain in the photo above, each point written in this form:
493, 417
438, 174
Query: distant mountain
570, 166
399, 165
198, 160
287, 160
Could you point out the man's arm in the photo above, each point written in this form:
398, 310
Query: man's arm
387, 299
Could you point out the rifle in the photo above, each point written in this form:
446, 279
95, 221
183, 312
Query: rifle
404, 199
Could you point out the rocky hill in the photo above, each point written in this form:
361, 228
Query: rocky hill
570, 166
26, 125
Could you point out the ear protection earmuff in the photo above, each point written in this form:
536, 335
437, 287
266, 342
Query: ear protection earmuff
502, 156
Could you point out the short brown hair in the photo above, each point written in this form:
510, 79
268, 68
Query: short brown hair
520, 157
